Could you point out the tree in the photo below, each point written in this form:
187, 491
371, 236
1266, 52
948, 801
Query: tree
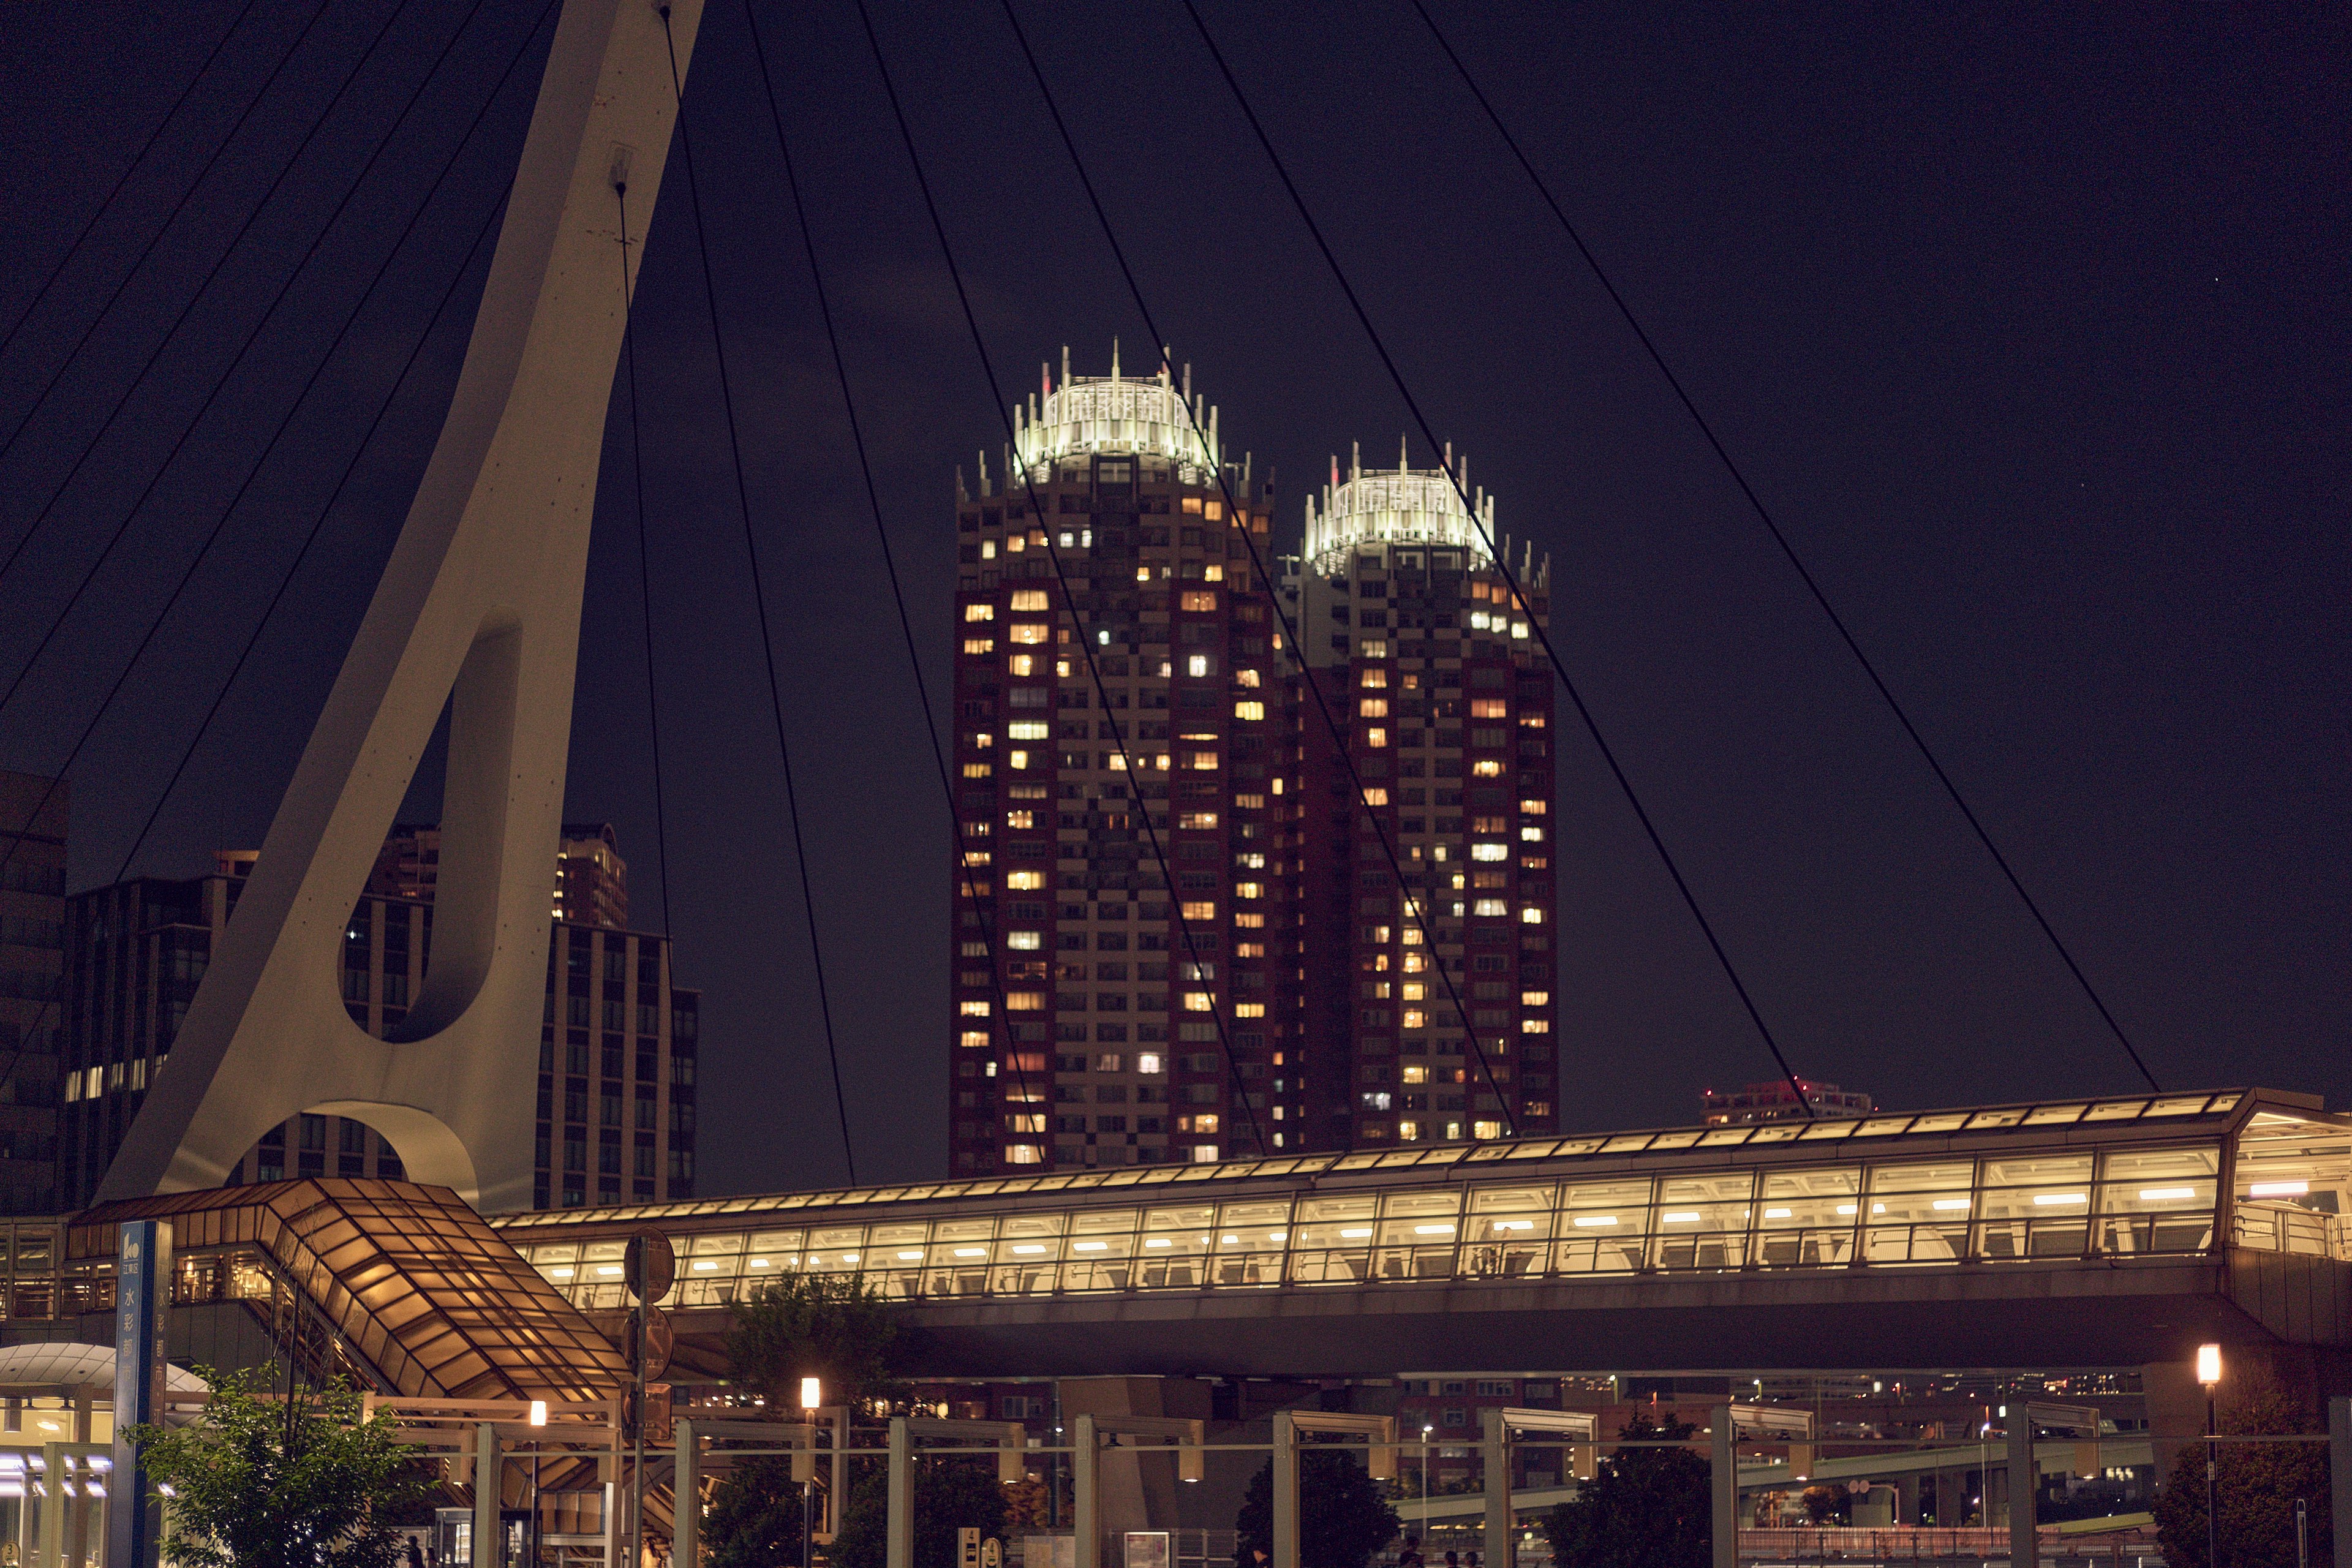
755, 1516
2256, 1486
826, 1326
951, 1493
301, 1483
1645, 1508
1342, 1517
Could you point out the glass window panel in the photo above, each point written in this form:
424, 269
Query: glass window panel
1101, 1222
1938, 1121
1789, 1131
1576, 1146
1028, 1261
1401, 1205
2126, 1166
964, 1229
2052, 1115
1032, 1224
700, 1246
1918, 1214
1511, 1199
2158, 1200
2048, 1219
1100, 1260
1603, 1227
2177, 1105
1627, 1143
1943, 1176
1332, 1243
1673, 1141
2038, 1170
2114, 1110
1702, 1221
1723, 1135
1825, 1129
1807, 1218
1508, 1232
1882, 1126
2010, 1118
959, 1267
556, 1252
1191, 1216
1176, 1260
835, 1251
1250, 1240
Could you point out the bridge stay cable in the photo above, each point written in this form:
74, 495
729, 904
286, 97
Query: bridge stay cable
1416, 909
759, 598
1061, 578
1034, 1102
123, 283
106, 202
644, 571
285, 424
252, 336
285, 580
1780, 537
1536, 627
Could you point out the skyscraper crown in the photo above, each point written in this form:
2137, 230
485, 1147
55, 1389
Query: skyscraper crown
1403, 504
1155, 416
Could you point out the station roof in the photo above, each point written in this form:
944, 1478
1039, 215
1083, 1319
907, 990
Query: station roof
2053, 1123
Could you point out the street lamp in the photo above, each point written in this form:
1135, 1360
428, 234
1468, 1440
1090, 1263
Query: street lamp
2209, 1373
1425, 1429
812, 1397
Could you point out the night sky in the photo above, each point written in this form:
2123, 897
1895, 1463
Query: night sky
2029, 325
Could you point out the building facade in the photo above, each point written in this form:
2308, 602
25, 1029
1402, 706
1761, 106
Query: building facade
1124, 697
33, 817
1428, 891
617, 1042
1776, 1101
1125, 709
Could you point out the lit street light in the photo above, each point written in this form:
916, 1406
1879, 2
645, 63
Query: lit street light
812, 1397
2209, 1373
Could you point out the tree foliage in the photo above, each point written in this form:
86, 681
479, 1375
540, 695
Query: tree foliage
2255, 1485
755, 1516
1645, 1508
1342, 1517
301, 1483
950, 1494
826, 1326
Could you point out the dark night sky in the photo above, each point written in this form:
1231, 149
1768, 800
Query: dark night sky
2031, 326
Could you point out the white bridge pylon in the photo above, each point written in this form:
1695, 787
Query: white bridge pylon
479, 608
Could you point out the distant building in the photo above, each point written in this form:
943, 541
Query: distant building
1172, 790
33, 812
1776, 1101
617, 1042
592, 880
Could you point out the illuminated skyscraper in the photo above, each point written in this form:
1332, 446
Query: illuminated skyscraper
1418, 643
1086, 1033
1096, 1041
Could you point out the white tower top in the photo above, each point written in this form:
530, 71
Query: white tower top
1402, 505
1153, 417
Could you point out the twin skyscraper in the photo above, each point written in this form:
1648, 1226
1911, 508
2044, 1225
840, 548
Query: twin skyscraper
1254, 849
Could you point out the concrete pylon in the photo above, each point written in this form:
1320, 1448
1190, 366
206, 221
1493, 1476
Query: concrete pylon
478, 607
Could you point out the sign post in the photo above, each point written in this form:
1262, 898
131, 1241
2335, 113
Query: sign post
143, 1293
